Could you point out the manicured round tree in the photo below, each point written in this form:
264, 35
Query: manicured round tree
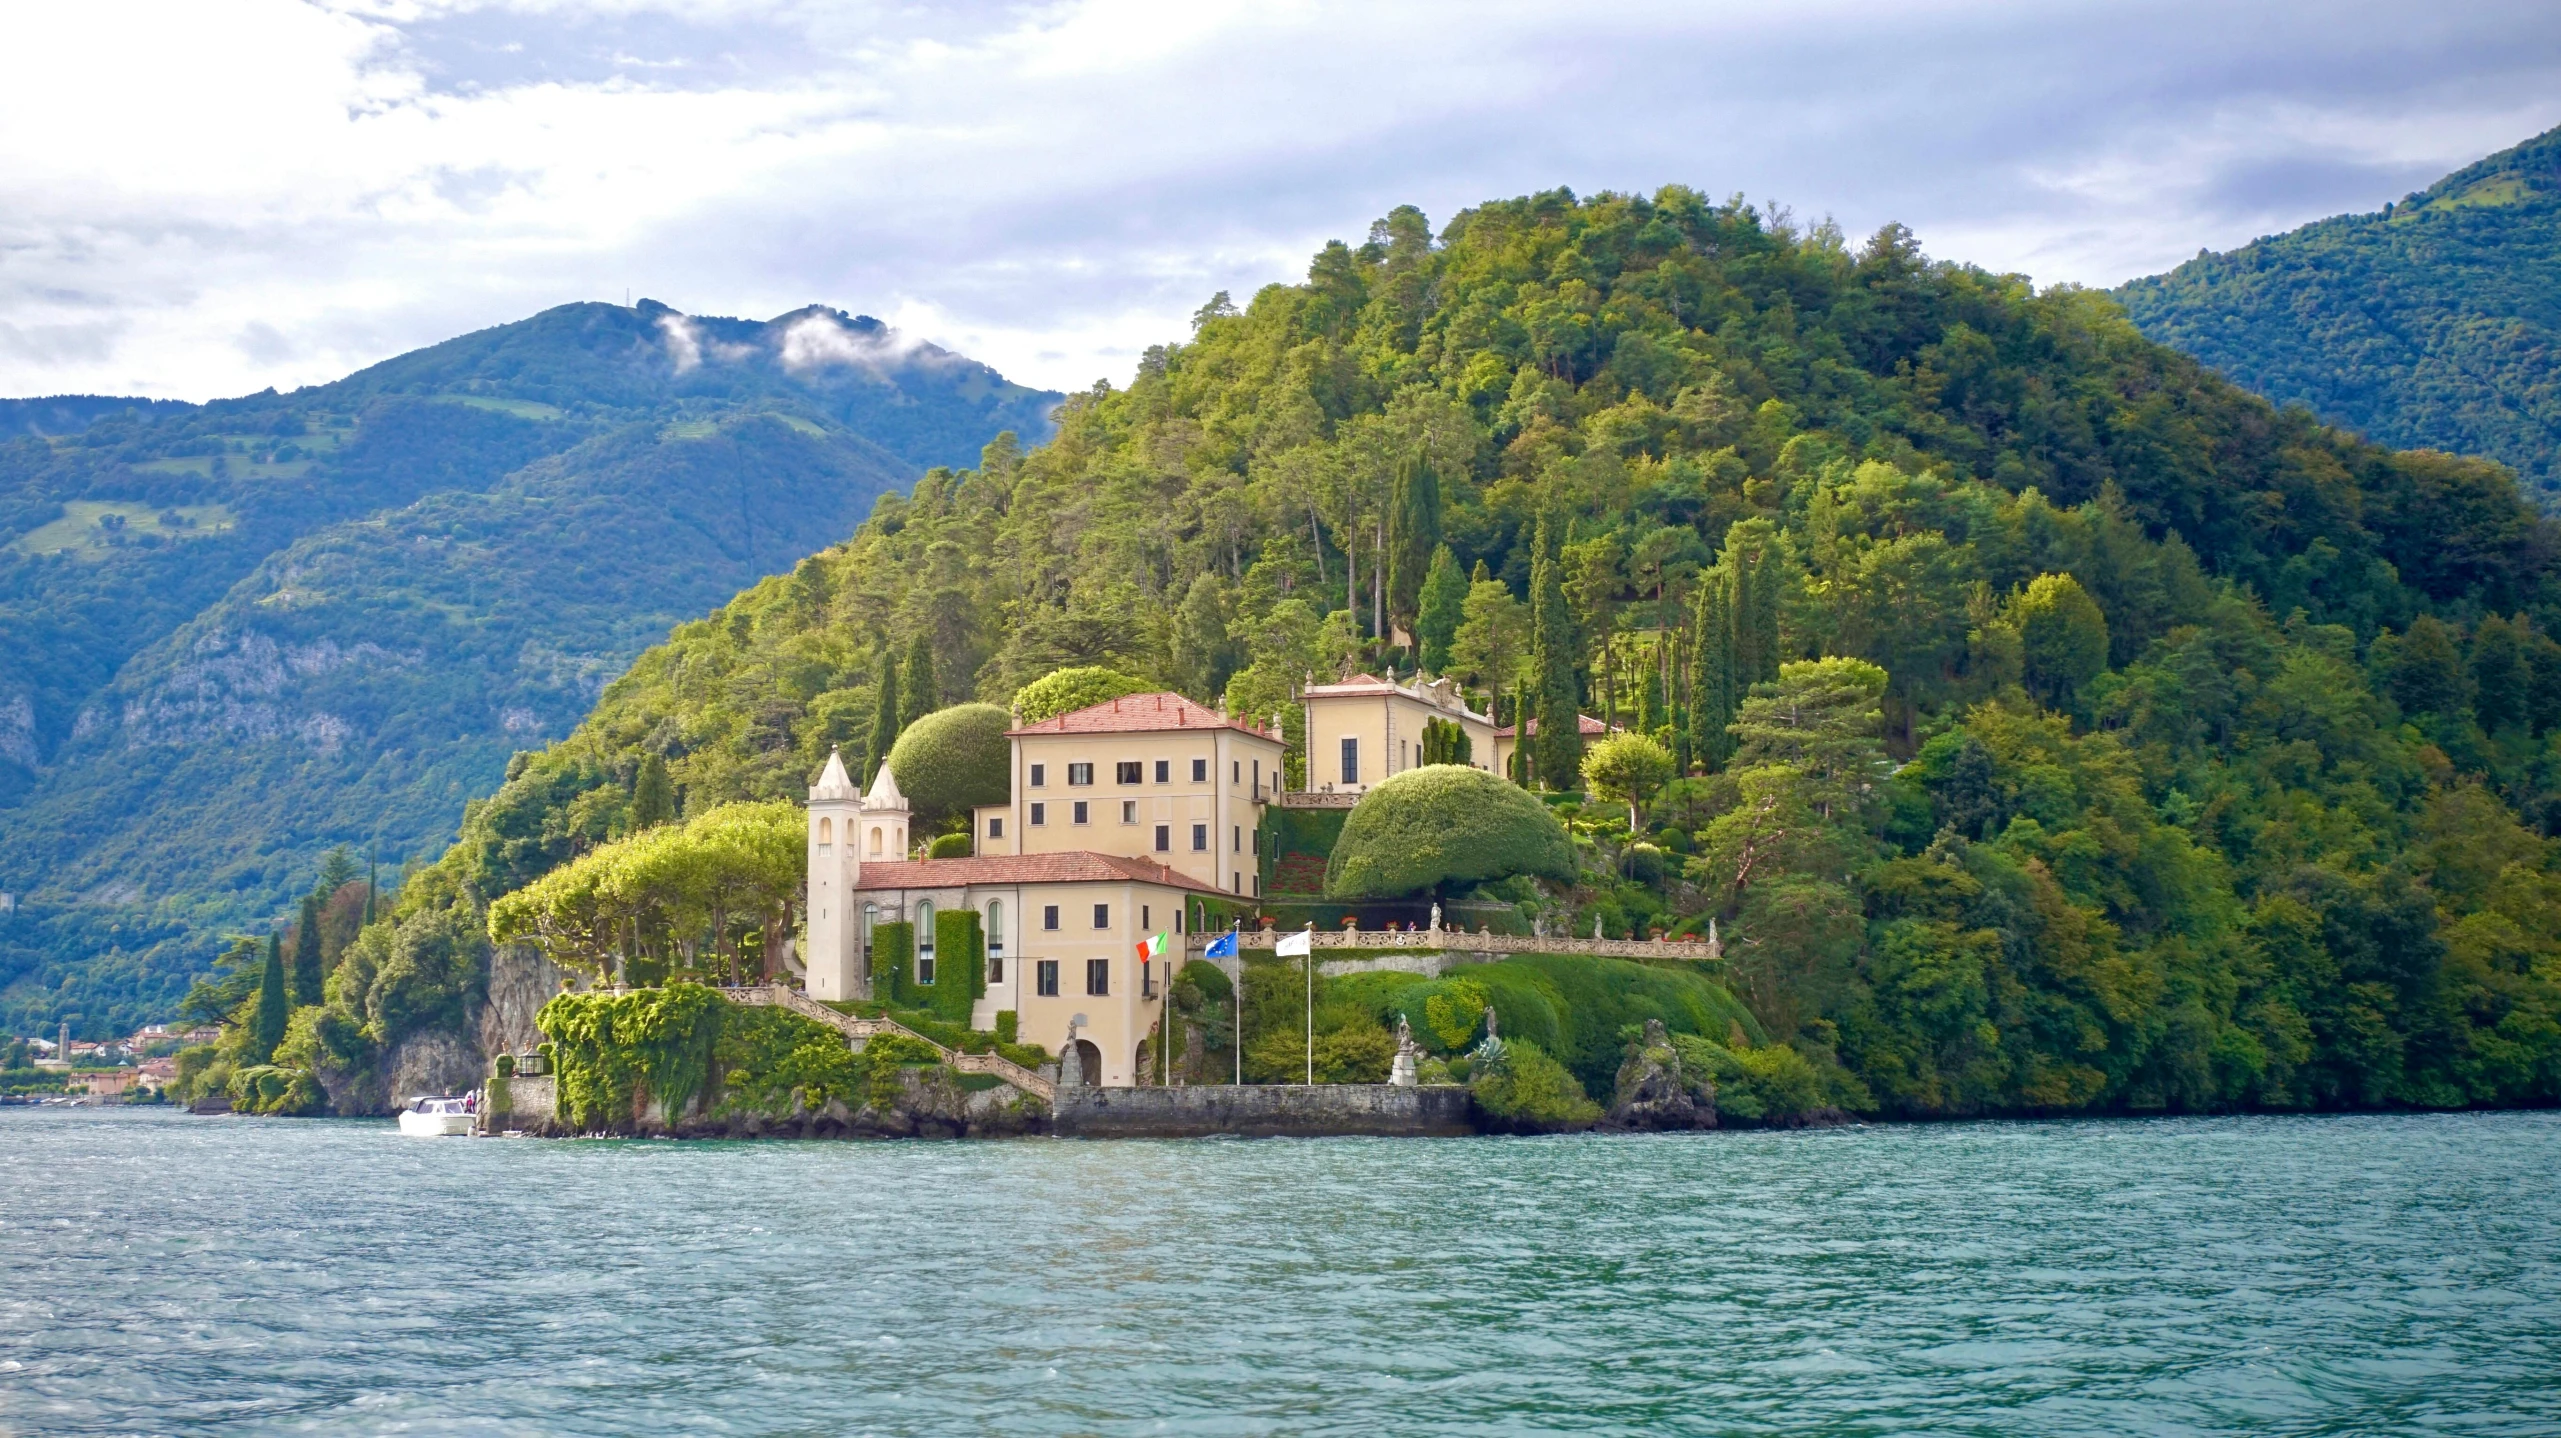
952, 759
1067, 690
1443, 828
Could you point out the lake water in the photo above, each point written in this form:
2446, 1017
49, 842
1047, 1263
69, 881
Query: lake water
162, 1274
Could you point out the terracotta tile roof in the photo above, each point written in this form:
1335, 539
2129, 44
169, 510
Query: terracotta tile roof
1140, 714
1078, 866
1589, 726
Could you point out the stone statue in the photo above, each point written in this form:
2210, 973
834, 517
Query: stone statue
1596, 927
1436, 918
1402, 1074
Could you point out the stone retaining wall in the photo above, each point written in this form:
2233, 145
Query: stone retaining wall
1263, 1111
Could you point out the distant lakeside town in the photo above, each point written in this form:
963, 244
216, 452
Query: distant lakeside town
64, 1070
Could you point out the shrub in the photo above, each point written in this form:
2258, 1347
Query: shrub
1442, 827
506, 1066
952, 759
948, 846
1066, 691
1527, 1089
1008, 1025
1774, 1084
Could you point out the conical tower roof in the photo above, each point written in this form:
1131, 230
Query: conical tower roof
884, 792
834, 783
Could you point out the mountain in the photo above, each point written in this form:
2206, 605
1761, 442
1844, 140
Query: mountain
2433, 323
241, 633
2170, 750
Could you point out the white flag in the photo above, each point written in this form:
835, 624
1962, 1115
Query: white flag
1295, 945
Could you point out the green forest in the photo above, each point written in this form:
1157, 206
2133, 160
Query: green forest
2433, 323
242, 633
2049, 724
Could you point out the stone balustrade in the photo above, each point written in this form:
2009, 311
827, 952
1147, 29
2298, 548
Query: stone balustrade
1461, 941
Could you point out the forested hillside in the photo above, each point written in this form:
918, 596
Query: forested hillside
2435, 323
2172, 751
235, 635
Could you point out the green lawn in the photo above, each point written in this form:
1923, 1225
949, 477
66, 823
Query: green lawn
88, 526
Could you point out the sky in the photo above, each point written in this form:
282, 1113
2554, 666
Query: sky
202, 199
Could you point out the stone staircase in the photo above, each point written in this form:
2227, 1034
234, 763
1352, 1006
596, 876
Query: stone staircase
861, 1030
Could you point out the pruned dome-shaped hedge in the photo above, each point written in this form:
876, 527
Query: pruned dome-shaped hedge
1065, 691
1442, 827
952, 760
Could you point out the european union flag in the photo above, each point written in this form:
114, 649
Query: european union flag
1223, 947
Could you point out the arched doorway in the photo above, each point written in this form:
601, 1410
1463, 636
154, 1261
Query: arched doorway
1089, 1059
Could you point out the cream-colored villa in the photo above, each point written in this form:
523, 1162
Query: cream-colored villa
1121, 814
1366, 728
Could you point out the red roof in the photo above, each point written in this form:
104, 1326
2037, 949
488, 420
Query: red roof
1077, 866
1589, 725
1140, 714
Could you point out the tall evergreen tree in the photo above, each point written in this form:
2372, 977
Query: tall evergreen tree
653, 795
884, 717
1559, 743
1442, 607
1413, 534
1712, 670
308, 963
267, 1020
918, 693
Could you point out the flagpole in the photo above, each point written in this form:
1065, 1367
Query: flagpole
1239, 996
1311, 1005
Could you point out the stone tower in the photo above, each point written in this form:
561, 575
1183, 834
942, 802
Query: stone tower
834, 958
885, 816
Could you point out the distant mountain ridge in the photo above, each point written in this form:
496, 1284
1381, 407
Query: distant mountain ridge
236, 634
2433, 323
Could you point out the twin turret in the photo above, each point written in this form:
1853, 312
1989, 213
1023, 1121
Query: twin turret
846, 827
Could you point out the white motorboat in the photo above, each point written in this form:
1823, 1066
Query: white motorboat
437, 1116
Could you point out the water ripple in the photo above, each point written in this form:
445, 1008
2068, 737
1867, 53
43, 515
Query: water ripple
160, 1274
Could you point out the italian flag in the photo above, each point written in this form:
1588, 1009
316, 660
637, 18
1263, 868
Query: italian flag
1149, 949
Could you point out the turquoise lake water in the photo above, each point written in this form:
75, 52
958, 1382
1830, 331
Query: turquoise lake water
161, 1274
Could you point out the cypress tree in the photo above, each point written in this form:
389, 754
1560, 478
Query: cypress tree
267, 1021
918, 694
1443, 603
373, 875
1712, 696
1559, 759
653, 795
884, 717
1414, 533
307, 964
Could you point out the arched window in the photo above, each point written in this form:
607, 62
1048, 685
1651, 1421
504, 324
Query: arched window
995, 941
826, 833
875, 841
924, 941
871, 916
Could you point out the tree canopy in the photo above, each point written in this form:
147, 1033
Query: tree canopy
1444, 827
953, 759
1065, 691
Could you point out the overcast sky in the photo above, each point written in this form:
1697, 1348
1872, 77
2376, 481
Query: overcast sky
200, 199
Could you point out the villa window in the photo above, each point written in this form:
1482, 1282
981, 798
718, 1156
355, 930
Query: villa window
1126, 771
1040, 813
1129, 811
995, 941
1146, 917
1235, 772
826, 835
924, 941
1040, 775
1200, 771
1236, 839
1164, 838
1049, 916
1200, 838
871, 916
1045, 978
1098, 977
1164, 771
1351, 760
1080, 775
1258, 778
995, 826
1102, 916
1080, 815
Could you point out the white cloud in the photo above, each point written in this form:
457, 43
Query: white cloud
200, 200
